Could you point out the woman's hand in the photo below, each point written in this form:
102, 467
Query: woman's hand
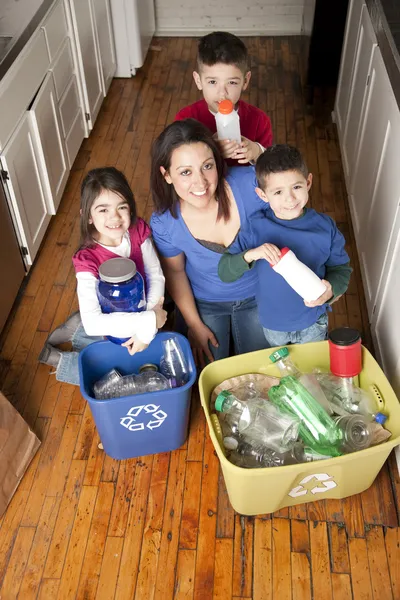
268, 252
134, 345
324, 298
199, 337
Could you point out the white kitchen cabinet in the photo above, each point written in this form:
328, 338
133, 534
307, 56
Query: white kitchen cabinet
21, 161
105, 40
365, 44
88, 54
376, 189
45, 117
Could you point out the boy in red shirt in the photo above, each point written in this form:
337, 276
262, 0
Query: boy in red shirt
223, 75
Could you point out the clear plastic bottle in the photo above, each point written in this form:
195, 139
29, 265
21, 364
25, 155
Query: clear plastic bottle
227, 121
103, 388
357, 432
250, 456
285, 365
150, 380
317, 429
259, 421
173, 363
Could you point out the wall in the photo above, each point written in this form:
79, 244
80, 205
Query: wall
243, 17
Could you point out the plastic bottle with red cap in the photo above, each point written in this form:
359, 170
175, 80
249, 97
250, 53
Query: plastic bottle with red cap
300, 277
228, 123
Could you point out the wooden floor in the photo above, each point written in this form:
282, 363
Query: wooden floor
82, 525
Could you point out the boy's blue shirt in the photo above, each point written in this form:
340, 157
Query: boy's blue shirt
315, 240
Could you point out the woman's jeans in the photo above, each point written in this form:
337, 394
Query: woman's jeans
67, 369
238, 318
314, 333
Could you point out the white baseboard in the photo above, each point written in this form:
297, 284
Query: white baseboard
194, 32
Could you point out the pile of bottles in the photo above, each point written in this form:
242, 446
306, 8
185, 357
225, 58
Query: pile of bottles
307, 417
172, 372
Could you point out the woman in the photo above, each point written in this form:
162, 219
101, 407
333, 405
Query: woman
198, 213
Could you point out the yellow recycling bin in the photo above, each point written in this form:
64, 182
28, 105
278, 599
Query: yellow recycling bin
265, 490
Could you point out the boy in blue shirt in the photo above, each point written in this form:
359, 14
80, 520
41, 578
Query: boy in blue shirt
284, 183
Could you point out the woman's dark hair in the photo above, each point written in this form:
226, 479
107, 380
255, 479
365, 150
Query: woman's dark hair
222, 47
278, 159
180, 133
96, 181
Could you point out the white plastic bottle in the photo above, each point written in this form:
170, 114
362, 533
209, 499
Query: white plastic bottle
227, 120
300, 277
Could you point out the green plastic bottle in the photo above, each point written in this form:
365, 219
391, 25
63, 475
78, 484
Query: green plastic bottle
317, 429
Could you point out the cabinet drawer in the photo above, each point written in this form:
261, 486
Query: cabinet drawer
69, 105
55, 28
75, 138
21, 83
63, 68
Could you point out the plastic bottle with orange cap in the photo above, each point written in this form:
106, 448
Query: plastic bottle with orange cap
227, 120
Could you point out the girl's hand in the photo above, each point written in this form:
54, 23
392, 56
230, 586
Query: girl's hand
324, 298
229, 148
161, 314
199, 337
268, 252
249, 151
134, 345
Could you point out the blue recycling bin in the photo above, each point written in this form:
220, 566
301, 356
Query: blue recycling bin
139, 424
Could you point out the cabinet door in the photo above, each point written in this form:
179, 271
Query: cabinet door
347, 64
105, 39
366, 42
20, 159
376, 194
46, 121
84, 25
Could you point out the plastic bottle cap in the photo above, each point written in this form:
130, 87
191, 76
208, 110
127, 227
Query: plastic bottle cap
380, 418
225, 107
148, 367
220, 399
344, 336
279, 354
117, 270
230, 443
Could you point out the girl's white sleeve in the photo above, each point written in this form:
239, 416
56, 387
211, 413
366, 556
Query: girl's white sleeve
154, 275
117, 324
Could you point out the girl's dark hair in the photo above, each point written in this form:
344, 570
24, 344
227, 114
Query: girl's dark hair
180, 133
222, 47
95, 181
277, 159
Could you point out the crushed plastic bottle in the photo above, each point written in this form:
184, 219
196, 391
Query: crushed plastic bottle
102, 388
258, 421
317, 429
356, 432
173, 363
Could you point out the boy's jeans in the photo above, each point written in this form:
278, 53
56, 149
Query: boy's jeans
67, 370
239, 318
314, 333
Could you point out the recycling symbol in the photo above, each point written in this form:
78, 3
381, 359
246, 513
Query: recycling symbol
328, 483
156, 417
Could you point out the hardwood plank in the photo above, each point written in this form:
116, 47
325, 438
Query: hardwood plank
341, 587
63, 527
134, 531
360, 574
197, 428
334, 510
49, 589
243, 556
378, 564
35, 565
338, 548
9, 528
316, 511
320, 565
95, 552
353, 516
281, 559
204, 574
123, 497
151, 542
85, 436
95, 462
392, 544
184, 583
300, 537
225, 512
110, 469
63, 457
223, 569
301, 579
262, 584
191, 506
77, 546
298, 512
18, 560
109, 569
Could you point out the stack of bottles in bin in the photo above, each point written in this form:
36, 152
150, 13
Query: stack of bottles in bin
172, 372
307, 417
